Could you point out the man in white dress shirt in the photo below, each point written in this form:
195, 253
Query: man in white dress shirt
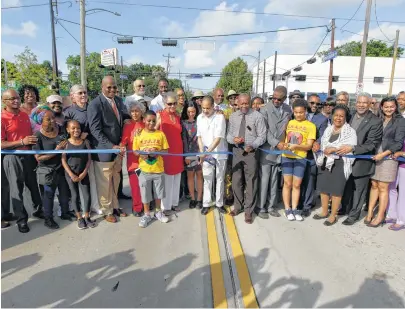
157, 103
211, 133
139, 93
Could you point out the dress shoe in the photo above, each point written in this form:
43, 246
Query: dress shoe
234, 212
9, 217
110, 218
349, 221
122, 196
274, 213
328, 223
222, 210
306, 213
205, 210
319, 217
248, 218
263, 215
192, 204
39, 213
4, 224
50, 223
199, 205
23, 227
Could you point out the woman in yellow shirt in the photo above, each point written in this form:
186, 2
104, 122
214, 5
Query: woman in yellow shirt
300, 135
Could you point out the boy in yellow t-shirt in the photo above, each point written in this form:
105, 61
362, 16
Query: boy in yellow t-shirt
300, 135
151, 180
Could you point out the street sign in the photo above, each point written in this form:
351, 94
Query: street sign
123, 76
359, 88
330, 55
199, 45
194, 76
109, 57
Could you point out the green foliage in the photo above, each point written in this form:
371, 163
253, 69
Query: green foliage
374, 49
44, 93
235, 75
30, 71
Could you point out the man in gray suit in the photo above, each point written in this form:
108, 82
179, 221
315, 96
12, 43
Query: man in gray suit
276, 114
369, 129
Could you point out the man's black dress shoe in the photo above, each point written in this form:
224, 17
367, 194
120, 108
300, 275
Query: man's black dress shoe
39, 213
23, 228
205, 210
349, 221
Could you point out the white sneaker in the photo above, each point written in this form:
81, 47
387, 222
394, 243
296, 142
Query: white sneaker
289, 215
145, 220
297, 215
161, 217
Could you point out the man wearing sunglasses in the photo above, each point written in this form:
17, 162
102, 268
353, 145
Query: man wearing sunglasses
328, 107
277, 114
106, 114
139, 93
309, 180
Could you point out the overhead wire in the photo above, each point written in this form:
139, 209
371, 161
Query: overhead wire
64, 28
228, 11
32, 5
378, 24
353, 15
196, 36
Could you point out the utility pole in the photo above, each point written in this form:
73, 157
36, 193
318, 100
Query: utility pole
54, 55
83, 44
5, 73
264, 77
168, 63
274, 70
332, 47
394, 60
364, 47
257, 74
122, 79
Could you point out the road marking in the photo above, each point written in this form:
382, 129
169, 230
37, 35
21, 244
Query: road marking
217, 277
248, 292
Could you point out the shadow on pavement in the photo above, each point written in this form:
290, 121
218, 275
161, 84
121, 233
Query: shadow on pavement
9, 268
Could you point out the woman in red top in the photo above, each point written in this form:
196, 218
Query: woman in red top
132, 129
168, 121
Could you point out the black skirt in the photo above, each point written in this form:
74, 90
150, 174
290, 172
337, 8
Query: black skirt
332, 182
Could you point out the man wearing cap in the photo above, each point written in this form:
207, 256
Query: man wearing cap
55, 103
16, 134
296, 94
157, 103
139, 93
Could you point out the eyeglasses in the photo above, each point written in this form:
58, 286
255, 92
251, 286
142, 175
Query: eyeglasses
12, 99
141, 86
171, 104
81, 92
295, 97
278, 99
330, 104
111, 87
199, 98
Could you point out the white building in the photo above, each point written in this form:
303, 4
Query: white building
313, 78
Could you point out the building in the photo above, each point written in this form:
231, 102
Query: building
314, 78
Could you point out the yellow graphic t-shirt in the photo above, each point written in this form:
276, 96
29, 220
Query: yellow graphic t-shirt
145, 141
298, 133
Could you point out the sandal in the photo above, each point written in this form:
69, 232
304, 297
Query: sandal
328, 223
396, 227
119, 212
319, 217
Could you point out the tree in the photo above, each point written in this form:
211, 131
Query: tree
30, 71
374, 49
12, 72
235, 75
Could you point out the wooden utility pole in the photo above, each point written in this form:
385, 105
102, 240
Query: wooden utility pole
394, 60
332, 48
364, 46
168, 63
55, 77
275, 70
264, 77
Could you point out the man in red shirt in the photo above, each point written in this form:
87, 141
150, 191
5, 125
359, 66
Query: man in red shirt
16, 134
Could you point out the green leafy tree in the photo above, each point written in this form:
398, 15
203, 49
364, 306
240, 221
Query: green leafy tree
235, 75
44, 92
30, 71
374, 49
12, 72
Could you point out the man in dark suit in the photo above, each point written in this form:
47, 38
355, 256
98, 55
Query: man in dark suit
369, 129
276, 114
311, 172
106, 115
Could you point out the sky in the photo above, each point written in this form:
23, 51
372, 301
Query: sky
30, 26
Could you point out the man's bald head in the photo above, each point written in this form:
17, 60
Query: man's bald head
108, 86
219, 95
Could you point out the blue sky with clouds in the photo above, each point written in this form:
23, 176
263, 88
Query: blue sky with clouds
31, 27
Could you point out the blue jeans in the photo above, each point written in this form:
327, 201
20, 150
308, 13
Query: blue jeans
293, 167
49, 195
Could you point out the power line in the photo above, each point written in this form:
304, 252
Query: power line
197, 36
353, 14
378, 24
32, 5
231, 11
70, 34
344, 30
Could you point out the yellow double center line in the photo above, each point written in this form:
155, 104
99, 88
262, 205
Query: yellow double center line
217, 277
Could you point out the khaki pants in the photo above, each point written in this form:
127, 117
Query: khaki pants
107, 176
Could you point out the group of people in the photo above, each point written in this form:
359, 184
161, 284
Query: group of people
238, 152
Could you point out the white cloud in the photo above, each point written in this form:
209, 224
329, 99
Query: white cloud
198, 59
312, 37
8, 51
389, 30
28, 28
7, 3
247, 47
171, 27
